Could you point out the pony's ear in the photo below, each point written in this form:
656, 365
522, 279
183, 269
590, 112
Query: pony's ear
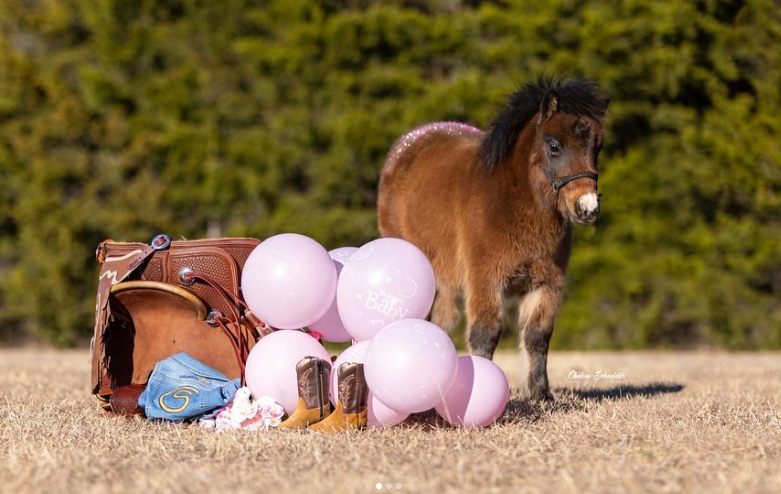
549, 106
605, 103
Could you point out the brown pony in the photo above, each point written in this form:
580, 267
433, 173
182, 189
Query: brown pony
493, 211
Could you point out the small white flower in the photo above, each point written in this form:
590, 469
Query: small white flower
242, 408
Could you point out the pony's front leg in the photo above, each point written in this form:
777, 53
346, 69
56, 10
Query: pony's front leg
536, 315
484, 315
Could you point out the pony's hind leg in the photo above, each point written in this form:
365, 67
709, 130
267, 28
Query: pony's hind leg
484, 314
536, 315
445, 313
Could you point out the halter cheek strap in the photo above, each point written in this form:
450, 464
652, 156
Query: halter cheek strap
557, 185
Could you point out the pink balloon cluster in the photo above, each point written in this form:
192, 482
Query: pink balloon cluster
290, 282
378, 296
412, 366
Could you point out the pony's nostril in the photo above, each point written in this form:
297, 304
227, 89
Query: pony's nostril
587, 204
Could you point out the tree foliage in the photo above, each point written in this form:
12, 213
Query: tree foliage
123, 119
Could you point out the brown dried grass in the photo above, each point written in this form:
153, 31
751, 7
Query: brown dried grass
678, 422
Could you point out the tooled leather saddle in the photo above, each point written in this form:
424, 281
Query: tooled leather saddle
159, 299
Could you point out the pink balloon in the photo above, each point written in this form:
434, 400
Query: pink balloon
271, 366
387, 280
479, 395
378, 415
381, 416
330, 326
411, 365
289, 281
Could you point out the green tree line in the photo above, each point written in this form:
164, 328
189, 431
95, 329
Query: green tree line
124, 118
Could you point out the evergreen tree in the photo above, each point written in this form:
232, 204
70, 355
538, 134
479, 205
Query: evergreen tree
123, 119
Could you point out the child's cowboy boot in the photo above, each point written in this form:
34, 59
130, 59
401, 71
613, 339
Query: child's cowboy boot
352, 404
314, 375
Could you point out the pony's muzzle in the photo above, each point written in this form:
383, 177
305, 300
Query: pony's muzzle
587, 208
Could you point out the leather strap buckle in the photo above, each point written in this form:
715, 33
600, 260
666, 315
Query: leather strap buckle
160, 242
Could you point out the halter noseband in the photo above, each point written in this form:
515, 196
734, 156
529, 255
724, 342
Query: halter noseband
559, 184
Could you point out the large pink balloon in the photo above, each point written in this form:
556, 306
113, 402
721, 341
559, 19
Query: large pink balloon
378, 415
330, 326
387, 280
411, 365
479, 395
289, 281
271, 366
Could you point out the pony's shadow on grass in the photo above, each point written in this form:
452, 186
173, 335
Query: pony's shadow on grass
571, 399
521, 410
621, 392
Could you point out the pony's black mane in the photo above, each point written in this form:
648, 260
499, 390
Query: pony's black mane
577, 96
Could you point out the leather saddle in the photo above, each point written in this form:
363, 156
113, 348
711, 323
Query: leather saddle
159, 299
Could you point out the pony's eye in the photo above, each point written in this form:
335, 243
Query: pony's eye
554, 148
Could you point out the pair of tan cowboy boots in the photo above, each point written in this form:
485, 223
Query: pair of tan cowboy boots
314, 409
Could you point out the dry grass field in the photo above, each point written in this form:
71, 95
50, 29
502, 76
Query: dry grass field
676, 422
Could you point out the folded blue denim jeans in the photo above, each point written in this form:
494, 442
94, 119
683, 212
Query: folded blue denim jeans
182, 388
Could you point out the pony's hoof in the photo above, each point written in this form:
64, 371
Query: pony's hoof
540, 395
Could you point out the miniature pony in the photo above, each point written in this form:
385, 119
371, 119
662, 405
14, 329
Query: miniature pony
493, 211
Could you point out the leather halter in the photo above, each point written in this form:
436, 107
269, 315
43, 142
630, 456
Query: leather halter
559, 184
